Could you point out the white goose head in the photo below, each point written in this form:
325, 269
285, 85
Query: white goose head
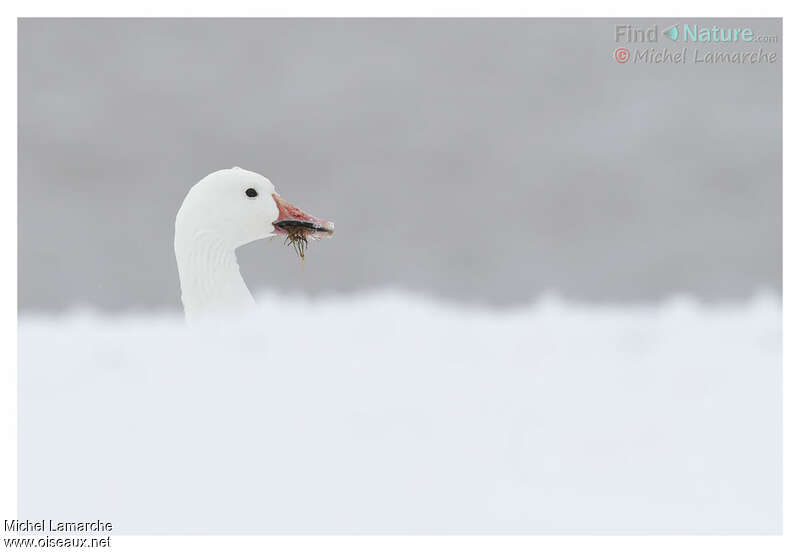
225, 210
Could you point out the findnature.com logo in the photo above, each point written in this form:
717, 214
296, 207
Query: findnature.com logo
691, 33
695, 44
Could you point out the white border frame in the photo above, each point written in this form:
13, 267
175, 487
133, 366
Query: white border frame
789, 541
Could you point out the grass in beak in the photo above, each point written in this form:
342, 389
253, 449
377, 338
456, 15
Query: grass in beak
298, 238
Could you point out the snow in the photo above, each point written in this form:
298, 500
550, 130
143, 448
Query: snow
387, 412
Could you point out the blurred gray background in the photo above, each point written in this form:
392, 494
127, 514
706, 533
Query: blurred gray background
485, 161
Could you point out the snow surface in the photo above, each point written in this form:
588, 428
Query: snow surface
392, 413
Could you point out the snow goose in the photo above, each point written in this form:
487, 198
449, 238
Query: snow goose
226, 210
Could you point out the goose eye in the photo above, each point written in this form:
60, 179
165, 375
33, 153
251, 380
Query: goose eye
251, 192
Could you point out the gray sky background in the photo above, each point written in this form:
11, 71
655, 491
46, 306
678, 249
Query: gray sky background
480, 160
